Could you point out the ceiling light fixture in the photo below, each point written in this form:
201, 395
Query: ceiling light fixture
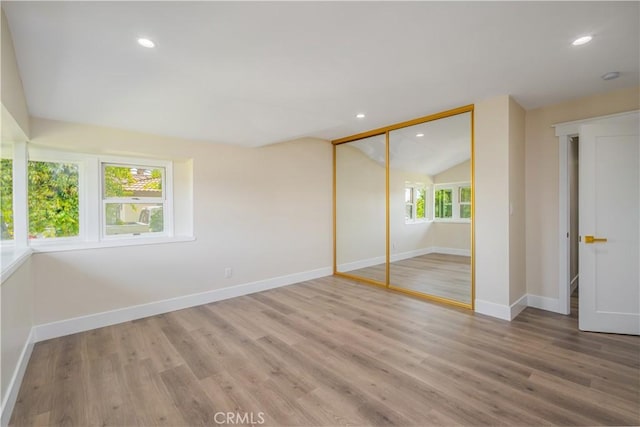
611, 75
146, 43
419, 135
360, 115
582, 40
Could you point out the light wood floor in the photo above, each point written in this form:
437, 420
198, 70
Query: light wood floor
332, 352
441, 275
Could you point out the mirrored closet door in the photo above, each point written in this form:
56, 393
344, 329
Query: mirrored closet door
360, 205
430, 208
404, 207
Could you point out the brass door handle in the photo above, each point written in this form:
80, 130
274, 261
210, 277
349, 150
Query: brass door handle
591, 239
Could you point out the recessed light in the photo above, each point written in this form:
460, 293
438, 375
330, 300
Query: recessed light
419, 135
582, 40
611, 75
146, 43
360, 115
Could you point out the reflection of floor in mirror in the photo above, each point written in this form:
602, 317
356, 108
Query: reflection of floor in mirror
441, 275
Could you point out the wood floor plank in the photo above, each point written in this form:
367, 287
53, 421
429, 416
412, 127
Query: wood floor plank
148, 395
194, 355
70, 406
330, 409
332, 352
162, 353
192, 402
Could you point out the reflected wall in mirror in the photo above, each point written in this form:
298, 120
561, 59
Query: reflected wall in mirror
360, 168
430, 208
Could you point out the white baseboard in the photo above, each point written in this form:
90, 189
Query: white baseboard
363, 263
451, 251
410, 254
502, 311
544, 303
112, 317
492, 309
11, 395
517, 307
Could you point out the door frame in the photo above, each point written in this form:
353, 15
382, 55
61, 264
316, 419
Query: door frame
564, 132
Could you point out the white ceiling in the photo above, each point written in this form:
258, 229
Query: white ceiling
254, 73
444, 144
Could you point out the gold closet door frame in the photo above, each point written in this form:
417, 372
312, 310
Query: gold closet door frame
364, 280
386, 131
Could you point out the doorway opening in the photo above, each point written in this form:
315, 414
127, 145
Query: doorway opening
574, 236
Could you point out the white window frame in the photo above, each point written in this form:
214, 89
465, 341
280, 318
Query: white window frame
91, 233
415, 192
166, 199
7, 152
15, 252
455, 201
461, 203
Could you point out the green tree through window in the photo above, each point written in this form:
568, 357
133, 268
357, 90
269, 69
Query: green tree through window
420, 203
465, 202
53, 199
444, 203
6, 198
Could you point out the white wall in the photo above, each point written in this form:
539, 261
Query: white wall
541, 166
492, 201
500, 210
265, 212
16, 304
517, 211
15, 111
360, 208
458, 173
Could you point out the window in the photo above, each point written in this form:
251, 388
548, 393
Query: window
444, 203
79, 200
464, 201
415, 197
53, 199
6, 198
57, 200
452, 202
409, 195
133, 201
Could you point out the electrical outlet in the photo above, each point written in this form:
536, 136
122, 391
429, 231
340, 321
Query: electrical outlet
228, 272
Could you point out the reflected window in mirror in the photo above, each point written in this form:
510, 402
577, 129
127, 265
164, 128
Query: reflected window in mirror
416, 206
452, 202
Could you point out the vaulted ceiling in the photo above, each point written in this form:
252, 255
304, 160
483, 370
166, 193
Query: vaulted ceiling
254, 73
427, 148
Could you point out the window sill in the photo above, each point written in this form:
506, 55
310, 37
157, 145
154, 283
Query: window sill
420, 221
40, 247
453, 221
12, 259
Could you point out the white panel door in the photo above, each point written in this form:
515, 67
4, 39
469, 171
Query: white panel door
610, 226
